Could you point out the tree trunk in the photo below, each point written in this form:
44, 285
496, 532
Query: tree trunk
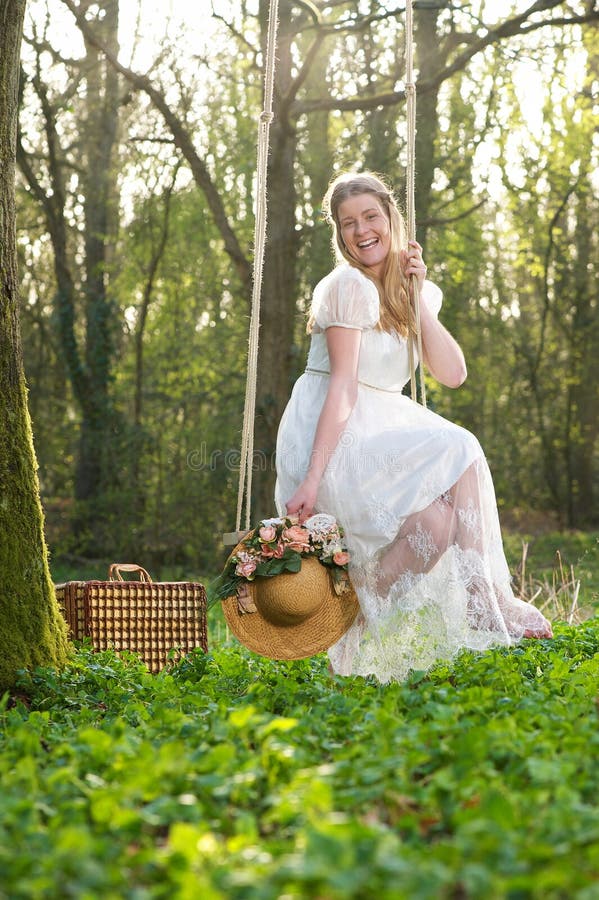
99, 135
32, 631
278, 308
89, 361
430, 57
583, 390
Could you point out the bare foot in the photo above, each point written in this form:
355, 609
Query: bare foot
517, 612
540, 633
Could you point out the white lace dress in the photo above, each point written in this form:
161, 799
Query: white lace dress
414, 494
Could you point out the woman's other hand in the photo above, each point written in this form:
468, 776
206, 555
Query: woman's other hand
303, 501
413, 263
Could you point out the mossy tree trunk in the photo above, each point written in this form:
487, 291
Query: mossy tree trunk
32, 631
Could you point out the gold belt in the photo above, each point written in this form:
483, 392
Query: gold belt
371, 387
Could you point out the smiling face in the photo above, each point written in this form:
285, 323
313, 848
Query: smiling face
365, 230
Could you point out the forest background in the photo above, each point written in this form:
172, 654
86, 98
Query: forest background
136, 192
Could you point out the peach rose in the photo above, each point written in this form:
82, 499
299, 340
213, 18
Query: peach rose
297, 538
267, 552
267, 533
246, 569
341, 557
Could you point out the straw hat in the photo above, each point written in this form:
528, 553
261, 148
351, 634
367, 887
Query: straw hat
291, 615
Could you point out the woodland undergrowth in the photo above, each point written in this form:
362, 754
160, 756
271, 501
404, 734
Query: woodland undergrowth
232, 776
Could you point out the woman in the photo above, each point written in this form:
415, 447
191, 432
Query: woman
412, 490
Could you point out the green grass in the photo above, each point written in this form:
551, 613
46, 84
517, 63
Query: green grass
233, 776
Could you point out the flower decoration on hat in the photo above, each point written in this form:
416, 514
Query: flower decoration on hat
277, 545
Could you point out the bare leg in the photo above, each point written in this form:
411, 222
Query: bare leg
421, 541
458, 518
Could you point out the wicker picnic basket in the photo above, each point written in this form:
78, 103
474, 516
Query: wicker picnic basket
146, 617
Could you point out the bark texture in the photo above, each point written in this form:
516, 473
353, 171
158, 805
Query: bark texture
85, 312
94, 467
32, 631
278, 310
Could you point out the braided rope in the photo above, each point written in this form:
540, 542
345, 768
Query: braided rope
265, 119
249, 410
410, 203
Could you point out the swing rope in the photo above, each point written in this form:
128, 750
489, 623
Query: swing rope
249, 411
410, 86
265, 119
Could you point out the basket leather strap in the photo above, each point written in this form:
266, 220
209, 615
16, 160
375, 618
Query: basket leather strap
114, 572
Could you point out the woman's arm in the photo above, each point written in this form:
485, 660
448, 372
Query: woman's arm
442, 354
344, 350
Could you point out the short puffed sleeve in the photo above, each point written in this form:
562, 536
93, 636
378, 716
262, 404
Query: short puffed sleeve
432, 295
346, 298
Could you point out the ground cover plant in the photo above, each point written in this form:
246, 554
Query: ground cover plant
232, 776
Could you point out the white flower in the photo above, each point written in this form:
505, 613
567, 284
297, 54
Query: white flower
243, 556
320, 524
274, 521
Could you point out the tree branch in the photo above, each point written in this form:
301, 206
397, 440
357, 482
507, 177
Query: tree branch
65, 288
148, 139
546, 263
329, 103
304, 71
311, 9
183, 141
355, 25
39, 44
237, 34
509, 28
448, 220
155, 259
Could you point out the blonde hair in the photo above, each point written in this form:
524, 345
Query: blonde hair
393, 286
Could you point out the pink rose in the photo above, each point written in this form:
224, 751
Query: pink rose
278, 550
246, 569
267, 533
297, 538
267, 552
295, 533
341, 557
